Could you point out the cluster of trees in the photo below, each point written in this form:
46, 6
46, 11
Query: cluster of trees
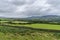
44, 21
31, 21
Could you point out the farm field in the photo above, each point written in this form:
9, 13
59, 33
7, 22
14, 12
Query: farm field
41, 26
45, 26
20, 30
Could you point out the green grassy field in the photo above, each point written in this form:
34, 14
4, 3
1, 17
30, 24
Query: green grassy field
44, 26
41, 26
19, 33
16, 31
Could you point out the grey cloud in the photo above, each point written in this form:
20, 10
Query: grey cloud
22, 2
6, 7
55, 3
24, 8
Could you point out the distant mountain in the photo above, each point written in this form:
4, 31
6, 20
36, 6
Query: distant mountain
51, 16
46, 16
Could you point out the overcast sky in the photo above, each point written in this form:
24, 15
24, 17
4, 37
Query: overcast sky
25, 8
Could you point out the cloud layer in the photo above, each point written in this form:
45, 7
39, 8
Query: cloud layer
25, 8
